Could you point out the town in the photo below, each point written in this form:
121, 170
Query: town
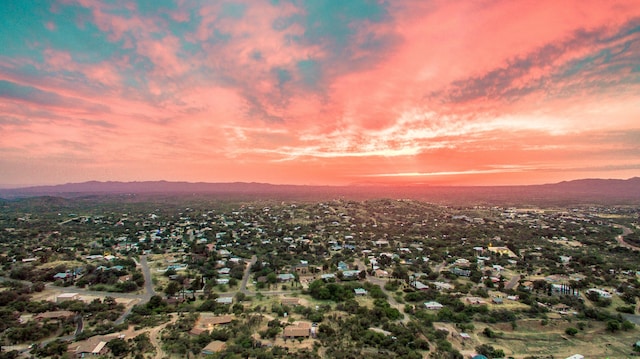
176, 278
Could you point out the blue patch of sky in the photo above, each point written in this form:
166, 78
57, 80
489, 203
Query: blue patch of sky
310, 72
22, 22
282, 75
232, 10
256, 55
27, 93
25, 33
334, 19
149, 8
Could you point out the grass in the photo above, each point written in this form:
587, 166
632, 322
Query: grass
531, 338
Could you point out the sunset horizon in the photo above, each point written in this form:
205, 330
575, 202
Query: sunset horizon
319, 93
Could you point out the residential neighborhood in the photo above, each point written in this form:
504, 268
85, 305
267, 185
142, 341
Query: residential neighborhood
334, 279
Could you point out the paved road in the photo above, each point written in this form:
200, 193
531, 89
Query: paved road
148, 283
247, 273
512, 282
620, 238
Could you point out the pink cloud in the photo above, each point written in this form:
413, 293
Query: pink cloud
465, 91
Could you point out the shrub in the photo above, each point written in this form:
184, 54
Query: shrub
571, 331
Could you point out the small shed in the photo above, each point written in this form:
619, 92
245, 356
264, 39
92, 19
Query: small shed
360, 291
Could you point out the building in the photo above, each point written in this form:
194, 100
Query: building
224, 300
461, 272
92, 347
208, 322
501, 250
350, 274
301, 329
55, 315
360, 291
286, 277
214, 347
290, 301
576, 356
433, 305
601, 293
443, 286
419, 285
381, 273
67, 296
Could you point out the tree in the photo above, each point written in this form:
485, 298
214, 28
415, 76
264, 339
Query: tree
172, 288
119, 347
488, 332
613, 325
110, 302
169, 272
489, 351
571, 331
627, 325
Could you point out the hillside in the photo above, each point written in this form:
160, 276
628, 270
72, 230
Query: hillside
578, 191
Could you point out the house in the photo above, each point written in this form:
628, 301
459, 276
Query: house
465, 336
209, 321
92, 347
501, 250
433, 305
360, 291
462, 262
67, 296
497, 300
214, 347
350, 274
62, 275
55, 315
290, 301
286, 277
301, 329
420, 286
602, 293
328, 277
224, 300
576, 356
381, 273
461, 272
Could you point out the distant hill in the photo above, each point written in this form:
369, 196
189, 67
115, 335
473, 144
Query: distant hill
578, 191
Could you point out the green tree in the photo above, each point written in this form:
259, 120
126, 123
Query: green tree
119, 347
571, 331
613, 325
172, 288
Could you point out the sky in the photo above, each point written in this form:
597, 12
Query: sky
319, 92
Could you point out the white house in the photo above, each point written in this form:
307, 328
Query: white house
433, 305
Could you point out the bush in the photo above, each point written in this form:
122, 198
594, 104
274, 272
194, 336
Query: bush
626, 309
571, 331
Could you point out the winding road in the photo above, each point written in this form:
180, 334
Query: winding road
620, 238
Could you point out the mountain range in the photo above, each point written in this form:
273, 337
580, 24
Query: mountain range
576, 191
